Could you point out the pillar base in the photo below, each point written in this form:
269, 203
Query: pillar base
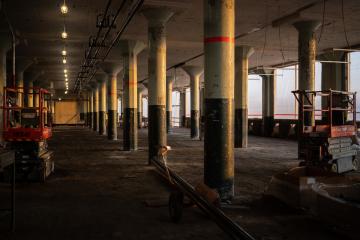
157, 129
195, 124
112, 129
102, 125
95, 115
139, 119
168, 121
268, 126
130, 129
241, 128
219, 158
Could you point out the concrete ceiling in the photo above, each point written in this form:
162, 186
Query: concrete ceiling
39, 24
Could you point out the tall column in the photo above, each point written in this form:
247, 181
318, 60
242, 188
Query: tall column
306, 56
202, 111
169, 88
130, 49
51, 104
91, 106
219, 96
101, 77
194, 72
182, 107
30, 78
96, 107
242, 54
5, 44
141, 90
334, 75
112, 69
268, 101
21, 65
157, 19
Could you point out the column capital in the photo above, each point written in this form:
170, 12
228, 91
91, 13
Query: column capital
23, 63
243, 51
141, 88
169, 79
331, 56
157, 15
111, 67
307, 26
193, 71
127, 46
101, 77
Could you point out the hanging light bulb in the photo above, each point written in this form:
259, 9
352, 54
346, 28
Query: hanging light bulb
66, 79
65, 70
64, 61
65, 92
64, 34
63, 52
66, 75
64, 9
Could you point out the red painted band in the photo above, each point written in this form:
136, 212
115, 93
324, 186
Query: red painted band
219, 39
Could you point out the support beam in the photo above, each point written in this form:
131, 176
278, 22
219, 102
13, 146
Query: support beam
96, 107
141, 90
130, 49
219, 21
334, 76
112, 69
242, 54
157, 18
102, 81
268, 101
21, 65
194, 72
169, 89
306, 59
182, 107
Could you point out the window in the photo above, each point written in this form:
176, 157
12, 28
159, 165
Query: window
176, 109
255, 96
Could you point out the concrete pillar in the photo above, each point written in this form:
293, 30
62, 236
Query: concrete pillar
30, 78
334, 76
50, 104
242, 54
112, 69
202, 111
130, 49
182, 107
306, 56
268, 101
169, 89
102, 81
5, 45
96, 107
194, 72
141, 90
91, 105
21, 65
219, 76
157, 18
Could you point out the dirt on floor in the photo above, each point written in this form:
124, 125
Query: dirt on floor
99, 191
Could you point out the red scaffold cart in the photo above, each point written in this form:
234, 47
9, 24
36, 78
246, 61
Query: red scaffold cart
27, 127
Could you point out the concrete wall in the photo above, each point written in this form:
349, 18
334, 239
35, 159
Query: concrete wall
67, 112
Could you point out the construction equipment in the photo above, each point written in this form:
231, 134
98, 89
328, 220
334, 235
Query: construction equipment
26, 128
329, 143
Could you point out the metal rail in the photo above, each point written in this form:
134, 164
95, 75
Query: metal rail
224, 222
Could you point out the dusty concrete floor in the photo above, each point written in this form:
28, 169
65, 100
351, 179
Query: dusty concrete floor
99, 192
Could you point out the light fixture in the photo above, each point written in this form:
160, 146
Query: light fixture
65, 70
65, 92
66, 75
64, 34
66, 79
64, 61
59, 99
63, 52
64, 9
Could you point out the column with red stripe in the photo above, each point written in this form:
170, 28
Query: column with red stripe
219, 96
